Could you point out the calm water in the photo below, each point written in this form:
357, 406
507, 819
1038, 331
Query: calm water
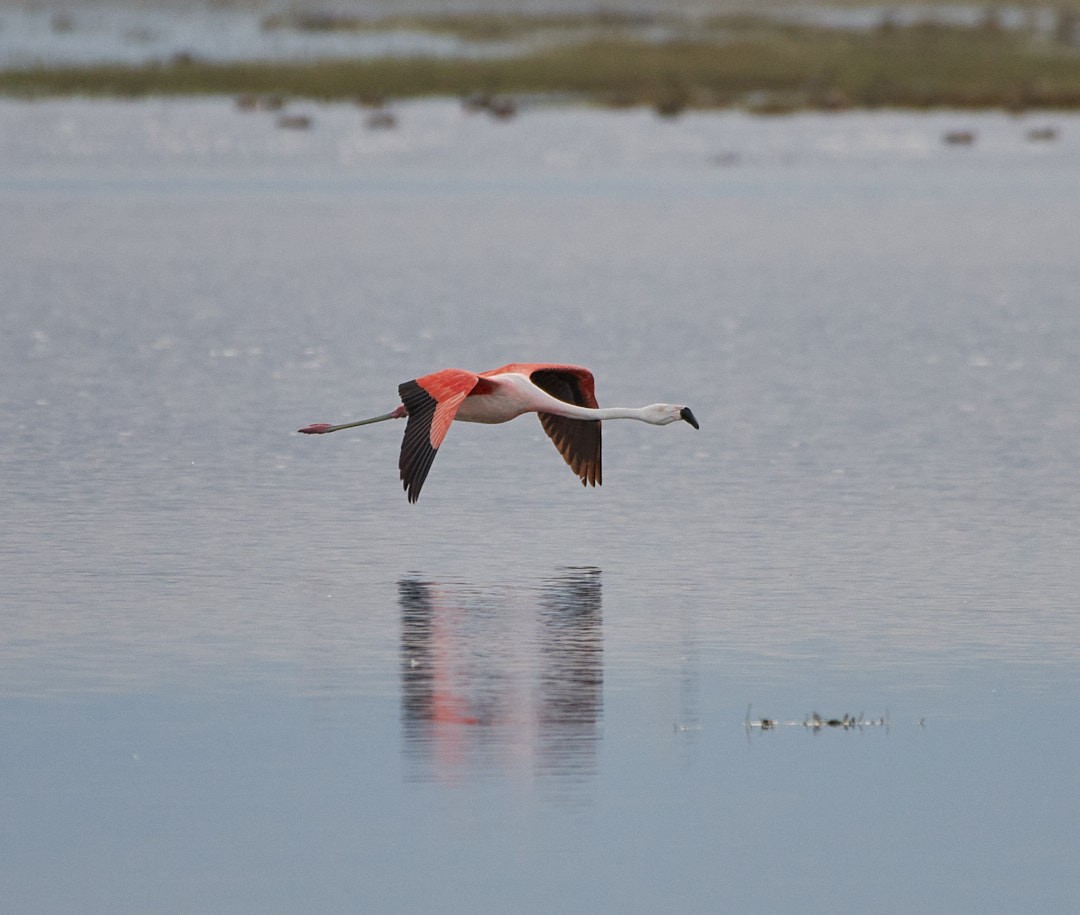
239, 673
135, 33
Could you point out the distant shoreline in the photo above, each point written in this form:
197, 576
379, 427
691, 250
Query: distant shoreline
752, 63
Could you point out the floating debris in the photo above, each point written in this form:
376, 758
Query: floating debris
959, 137
815, 722
500, 107
1042, 134
672, 104
381, 119
62, 23
294, 121
762, 724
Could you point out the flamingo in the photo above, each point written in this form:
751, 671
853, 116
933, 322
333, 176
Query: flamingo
562, 395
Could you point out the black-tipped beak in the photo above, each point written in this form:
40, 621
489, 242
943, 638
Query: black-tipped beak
689, 417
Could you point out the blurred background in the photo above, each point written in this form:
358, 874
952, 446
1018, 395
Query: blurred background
767, 56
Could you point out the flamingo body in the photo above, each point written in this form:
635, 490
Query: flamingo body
563, 396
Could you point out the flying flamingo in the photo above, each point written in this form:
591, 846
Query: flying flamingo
562, 395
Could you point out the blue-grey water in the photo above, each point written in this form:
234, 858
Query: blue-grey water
239, 673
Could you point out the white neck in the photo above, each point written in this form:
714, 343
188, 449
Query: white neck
530, 397
644, 414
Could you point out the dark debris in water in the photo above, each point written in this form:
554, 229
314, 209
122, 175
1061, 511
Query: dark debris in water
815, 722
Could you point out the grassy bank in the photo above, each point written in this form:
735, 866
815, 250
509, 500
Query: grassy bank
766, 67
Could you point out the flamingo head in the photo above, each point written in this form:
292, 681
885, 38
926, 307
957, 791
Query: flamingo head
660, 414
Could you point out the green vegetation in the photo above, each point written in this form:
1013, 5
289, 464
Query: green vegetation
765, 66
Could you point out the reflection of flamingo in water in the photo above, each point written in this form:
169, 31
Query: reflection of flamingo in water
486, 678
562, 395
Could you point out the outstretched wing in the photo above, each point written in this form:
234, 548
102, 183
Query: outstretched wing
578, 440
431, 402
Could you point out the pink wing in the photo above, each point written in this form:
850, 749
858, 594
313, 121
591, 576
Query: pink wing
431, 401
578, 440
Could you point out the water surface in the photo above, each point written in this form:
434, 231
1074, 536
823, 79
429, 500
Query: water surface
238, 672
